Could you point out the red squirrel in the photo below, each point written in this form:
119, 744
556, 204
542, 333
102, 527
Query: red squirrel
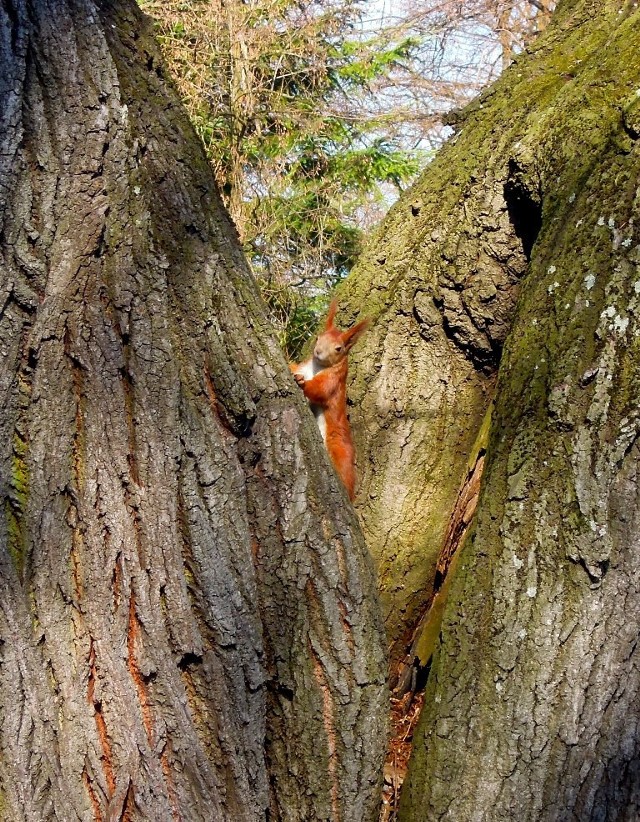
323, 378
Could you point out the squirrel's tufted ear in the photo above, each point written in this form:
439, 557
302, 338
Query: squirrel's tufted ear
351, 336
331, 315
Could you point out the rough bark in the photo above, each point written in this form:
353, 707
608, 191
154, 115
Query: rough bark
532, 704
440, 281
188, 623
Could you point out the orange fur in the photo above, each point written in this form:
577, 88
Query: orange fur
327, 392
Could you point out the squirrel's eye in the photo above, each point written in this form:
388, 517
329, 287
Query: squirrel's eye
338, 348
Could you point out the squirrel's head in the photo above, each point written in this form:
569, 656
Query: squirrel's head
333, 344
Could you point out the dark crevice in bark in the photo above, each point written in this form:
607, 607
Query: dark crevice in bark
414, 667
15, 22
139, 681
238, 426
410, 679
189, 660
101, 725
128, 392
631, 121
524, 204
485, 361
116, 578
281, 690
595, 571
93, 797
127, 813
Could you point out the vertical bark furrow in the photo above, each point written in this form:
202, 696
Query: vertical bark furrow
95, 804
101, 726
132, 664
426, 631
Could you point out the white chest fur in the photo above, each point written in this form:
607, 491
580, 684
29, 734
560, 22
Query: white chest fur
309, 369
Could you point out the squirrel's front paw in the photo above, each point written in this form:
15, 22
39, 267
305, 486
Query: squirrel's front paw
299, 378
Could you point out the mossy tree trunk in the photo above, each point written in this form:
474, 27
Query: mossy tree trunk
532, 702
532, 708
440, 280
188, 620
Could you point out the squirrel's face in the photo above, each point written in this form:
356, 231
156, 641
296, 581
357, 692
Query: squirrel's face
329, 348
333, 345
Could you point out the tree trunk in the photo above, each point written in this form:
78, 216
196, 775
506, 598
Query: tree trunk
440, 281
532, 702
188, 622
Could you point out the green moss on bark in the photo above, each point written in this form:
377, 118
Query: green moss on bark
535, 640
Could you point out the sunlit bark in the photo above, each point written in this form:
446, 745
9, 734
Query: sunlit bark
188, 623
